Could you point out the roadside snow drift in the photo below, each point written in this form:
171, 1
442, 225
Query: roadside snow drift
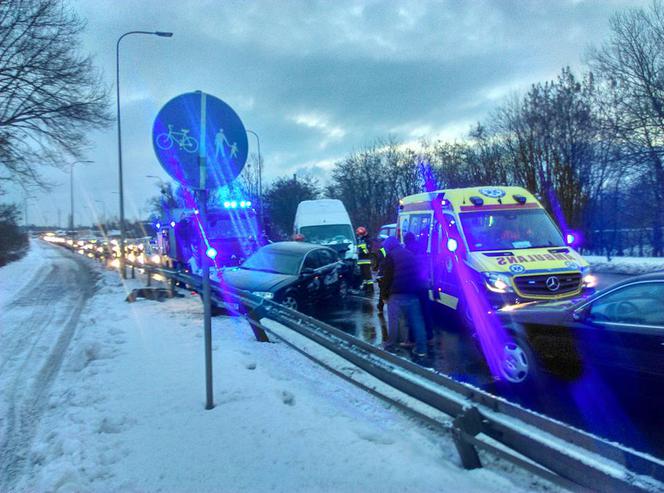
126, 413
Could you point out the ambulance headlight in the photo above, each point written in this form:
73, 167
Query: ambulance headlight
589, 280
264, 294
498, 283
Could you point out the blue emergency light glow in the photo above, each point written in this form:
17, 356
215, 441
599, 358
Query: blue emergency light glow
158, 225
452, 245
233, 204
211, 252
570, 238
172, 224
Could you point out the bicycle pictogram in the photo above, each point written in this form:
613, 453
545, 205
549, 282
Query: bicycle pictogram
166, 141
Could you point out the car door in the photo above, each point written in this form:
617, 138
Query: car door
311, 284
329, 272
625, 328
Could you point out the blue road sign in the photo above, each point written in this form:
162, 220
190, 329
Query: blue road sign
200, 141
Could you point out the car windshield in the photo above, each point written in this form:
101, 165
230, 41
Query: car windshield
267, 260
501, 230
328, 234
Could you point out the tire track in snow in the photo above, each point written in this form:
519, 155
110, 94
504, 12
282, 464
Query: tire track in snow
35, 350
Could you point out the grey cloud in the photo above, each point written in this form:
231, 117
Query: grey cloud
318, 79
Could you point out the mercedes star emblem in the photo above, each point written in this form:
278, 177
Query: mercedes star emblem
552, 283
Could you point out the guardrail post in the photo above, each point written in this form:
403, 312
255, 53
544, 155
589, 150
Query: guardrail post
255, 315
467, 423
133, 271
148, 272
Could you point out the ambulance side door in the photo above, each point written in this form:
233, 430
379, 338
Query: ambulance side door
446, 266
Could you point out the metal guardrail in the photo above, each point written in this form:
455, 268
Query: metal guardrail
571, 457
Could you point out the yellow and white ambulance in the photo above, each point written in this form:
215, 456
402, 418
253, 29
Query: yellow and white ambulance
504, 241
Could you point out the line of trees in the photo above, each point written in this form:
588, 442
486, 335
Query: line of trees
50, 97
590, 144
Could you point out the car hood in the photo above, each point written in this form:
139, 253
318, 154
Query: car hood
539, 313
255, 280
531, 260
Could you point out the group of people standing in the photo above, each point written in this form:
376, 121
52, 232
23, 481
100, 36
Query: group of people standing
401, 286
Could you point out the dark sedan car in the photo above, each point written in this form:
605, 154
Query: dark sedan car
292, 273
620, 328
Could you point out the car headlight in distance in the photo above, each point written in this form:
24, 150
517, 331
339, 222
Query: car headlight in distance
498, 283
264, 294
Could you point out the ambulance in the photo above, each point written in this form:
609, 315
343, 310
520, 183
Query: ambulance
498, 240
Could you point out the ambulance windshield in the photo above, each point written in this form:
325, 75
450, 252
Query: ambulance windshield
508, 230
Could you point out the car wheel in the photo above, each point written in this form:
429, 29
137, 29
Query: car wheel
290, 301
517, 362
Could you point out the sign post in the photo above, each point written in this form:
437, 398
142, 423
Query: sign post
201, 142
205, 260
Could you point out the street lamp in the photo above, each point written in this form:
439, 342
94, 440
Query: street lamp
71, 192
117, 87
158, 178
260, 175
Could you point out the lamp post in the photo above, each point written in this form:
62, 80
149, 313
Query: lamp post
71, 192
260, 175
117, 87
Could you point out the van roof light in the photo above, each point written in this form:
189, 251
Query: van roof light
519, 198
477, 201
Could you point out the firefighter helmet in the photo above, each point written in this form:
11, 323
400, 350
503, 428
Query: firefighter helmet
298, 237
361, 231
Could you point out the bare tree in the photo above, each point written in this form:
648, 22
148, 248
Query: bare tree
50, 94
282, 198
631, 64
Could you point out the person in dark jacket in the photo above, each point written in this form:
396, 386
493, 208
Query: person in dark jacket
402, 284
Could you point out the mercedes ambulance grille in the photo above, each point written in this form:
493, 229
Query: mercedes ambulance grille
545, 285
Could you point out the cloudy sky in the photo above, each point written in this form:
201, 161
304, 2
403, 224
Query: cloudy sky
315, 79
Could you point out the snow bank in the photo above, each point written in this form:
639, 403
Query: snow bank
127, 414
626, 265
17, 275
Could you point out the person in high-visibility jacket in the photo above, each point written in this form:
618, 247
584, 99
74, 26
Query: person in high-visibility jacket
377, 262
364, 258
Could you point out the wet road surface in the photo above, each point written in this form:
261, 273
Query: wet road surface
612, 405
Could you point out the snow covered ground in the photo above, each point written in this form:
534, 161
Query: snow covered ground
626, 265
126, 410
